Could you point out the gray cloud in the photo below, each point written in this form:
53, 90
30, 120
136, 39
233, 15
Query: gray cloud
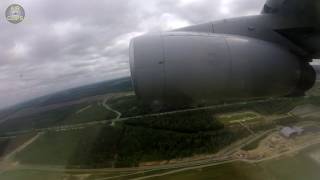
63, 44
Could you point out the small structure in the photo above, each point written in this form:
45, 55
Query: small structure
291, 131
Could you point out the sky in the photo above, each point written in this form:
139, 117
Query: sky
64, 44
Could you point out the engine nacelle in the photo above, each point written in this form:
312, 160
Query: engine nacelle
179, 68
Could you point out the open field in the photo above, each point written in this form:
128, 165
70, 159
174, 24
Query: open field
254, 144
123, 145
303, 165
238, 117
75, 114
179, 144
33, 175
60, 107
138, 140
144, 140
90, 113
296, 166
129, 106
9, 144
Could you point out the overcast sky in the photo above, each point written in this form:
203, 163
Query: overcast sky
63, 44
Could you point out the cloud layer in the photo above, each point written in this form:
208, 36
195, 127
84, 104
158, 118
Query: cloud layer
63, 44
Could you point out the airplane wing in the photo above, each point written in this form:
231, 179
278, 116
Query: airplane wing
293, 8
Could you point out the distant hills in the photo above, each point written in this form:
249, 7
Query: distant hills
112, 86
74, 94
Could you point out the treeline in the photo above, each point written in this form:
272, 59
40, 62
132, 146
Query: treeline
153, 138
112, 86
159, 138
144, 144
130, 106
57, 117
38, 120
185, 122
128, 144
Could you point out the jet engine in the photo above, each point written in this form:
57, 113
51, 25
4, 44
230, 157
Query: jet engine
179, 68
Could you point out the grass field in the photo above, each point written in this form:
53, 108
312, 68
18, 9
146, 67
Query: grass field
129, 106
152, 138
297, 167
303, 165
238, 117
7, 145
59, 148
148, 139
75, 114
129, 143
89, 113
253, 145
158, 138
34, 175
239, 171
70, 175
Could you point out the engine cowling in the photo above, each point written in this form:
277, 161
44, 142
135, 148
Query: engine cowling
179, 68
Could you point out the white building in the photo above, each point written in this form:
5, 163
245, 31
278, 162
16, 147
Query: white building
291, 131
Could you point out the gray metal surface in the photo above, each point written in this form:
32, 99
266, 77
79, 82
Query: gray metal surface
147, 67
240, 58
210, 68
297, 8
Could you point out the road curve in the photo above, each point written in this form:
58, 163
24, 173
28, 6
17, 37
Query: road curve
104, 103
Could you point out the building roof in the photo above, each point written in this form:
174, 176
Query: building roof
289, 131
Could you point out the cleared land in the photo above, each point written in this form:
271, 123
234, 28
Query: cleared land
238, 117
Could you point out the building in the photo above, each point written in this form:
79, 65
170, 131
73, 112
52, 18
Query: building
291, 131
